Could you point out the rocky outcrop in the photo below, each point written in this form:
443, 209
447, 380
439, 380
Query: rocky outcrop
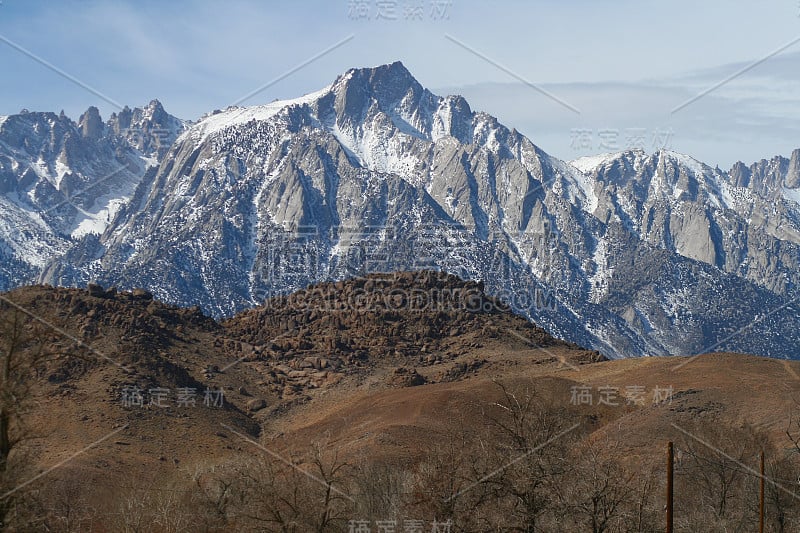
792, 179
91, 124
404, 316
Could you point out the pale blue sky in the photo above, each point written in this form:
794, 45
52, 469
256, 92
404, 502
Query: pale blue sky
624, 64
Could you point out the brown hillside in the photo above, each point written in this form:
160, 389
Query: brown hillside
385, 368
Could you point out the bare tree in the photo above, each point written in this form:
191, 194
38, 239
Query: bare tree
644, 513
599, 490
718, 480
448, 483
529, 439
261, 492
331, 471
152, 508
381, 491
499, 474
781, 491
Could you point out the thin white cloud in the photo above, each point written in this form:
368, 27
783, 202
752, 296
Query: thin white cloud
201, 55
752, 117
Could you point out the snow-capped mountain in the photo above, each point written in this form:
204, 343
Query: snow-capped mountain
629, 253
744, 225
150, 130
769, 178
61, 180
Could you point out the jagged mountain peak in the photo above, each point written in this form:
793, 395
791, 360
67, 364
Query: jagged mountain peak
150, 129
155, 104
679, 168
386, 72
684, 160
770, 177
389, 82
376, 166
155, 112
665, 177
32, 118
91, 123
61, 179
388, 93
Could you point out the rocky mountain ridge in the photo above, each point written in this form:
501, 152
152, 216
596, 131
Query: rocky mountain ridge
61, 179
630, 253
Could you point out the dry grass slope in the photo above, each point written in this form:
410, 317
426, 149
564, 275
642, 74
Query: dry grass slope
394, 397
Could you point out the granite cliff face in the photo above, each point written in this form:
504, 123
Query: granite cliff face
768, 177
630, 254
61, 180
745, 222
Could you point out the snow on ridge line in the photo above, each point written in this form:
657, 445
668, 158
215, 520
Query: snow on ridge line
585, 184
3, 118
688, 161
242, 115
592, 162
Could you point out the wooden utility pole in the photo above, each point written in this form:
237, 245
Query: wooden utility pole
670, 457
761, 497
